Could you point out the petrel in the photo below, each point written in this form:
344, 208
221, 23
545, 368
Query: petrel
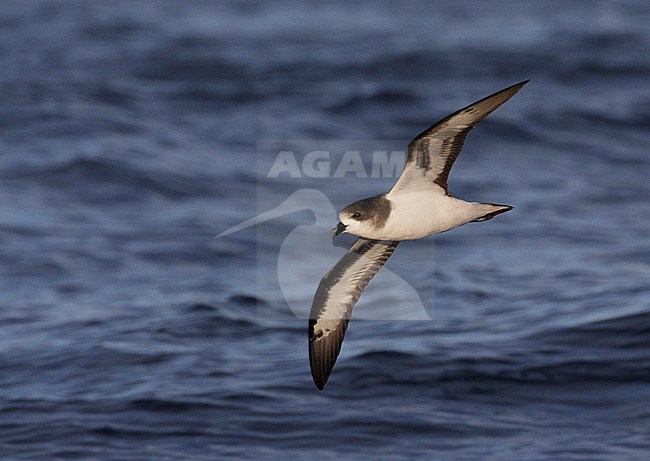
419, 204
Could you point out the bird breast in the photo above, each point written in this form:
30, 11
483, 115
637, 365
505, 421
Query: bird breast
417, 214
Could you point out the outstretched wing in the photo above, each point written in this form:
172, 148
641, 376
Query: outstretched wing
433, 152
337, 293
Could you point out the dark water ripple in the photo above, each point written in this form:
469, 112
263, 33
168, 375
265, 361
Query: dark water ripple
128, 140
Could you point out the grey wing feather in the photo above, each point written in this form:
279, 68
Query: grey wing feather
336, 296
432, 153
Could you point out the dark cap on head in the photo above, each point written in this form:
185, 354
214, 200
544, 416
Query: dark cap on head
377, 209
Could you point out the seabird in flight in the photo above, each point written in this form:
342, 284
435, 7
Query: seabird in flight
418, 205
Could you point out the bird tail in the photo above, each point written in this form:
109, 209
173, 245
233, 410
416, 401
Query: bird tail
490, 210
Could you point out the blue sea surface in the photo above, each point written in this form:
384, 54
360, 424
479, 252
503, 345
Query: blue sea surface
133, 133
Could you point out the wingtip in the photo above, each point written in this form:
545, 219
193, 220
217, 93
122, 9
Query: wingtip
320, 385
320, 379
502, 96
520, 84
320, 371
512, 89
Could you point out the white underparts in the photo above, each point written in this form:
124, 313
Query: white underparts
425, 212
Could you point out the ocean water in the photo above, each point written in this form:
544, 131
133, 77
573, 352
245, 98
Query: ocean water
133, 133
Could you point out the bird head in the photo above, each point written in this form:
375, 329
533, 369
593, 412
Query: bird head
364, 217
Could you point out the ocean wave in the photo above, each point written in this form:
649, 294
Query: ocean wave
108, 179
613, 350
626, 332
534, 368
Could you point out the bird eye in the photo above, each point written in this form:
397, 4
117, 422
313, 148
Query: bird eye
356, 215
